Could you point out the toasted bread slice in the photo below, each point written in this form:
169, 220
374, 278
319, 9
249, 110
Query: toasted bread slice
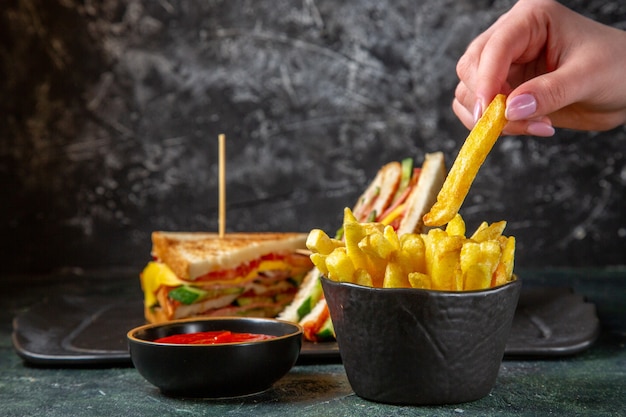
193, 254
424, 194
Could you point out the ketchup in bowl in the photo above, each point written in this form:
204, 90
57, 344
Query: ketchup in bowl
200, 357
213, 338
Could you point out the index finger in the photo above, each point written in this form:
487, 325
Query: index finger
517, 37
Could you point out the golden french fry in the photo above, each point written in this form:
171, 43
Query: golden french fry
355, 237
442, 259
504, 270
395, 277
490, 253
362, 277
458, 278
480, 227
392, 237
430, 250
376, 269
319, 261
340, 266
354, 233
479, 262
470, 255
376, 245
419, 280
464, 169
489, 232
477, 277
404, 260
499, 275
413, 246
318, 241
508, 256
348, 216
456, 226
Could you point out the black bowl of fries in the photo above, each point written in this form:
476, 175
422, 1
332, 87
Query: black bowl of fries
419, 318
416, 346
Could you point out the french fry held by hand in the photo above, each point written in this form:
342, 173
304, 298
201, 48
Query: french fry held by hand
469, 160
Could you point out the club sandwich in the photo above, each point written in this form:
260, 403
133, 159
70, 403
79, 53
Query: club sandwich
239, 274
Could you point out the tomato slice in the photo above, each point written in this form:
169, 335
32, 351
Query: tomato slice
241, 271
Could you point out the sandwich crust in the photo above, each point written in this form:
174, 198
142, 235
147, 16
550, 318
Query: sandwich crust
424, 194
193, 254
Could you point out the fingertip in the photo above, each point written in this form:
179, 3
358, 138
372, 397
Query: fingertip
538, 127
478, 110
542, 129
464, 115
520, 107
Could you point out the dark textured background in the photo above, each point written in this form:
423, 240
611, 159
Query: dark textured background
110, 113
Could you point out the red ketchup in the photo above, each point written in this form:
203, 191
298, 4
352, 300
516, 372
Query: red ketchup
212, 338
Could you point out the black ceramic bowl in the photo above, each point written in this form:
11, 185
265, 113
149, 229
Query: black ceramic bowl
215, 371
413, 346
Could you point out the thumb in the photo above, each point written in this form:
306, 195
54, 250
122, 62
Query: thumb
544, 94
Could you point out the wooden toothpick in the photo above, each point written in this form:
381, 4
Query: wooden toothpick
222, 185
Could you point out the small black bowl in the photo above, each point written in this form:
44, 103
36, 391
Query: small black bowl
220, 370
414, 346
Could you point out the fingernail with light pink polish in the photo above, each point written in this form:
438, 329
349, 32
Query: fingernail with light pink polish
478, 111
540, 129
521, 107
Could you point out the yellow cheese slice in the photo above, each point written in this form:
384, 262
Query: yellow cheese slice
393, 215
153, 276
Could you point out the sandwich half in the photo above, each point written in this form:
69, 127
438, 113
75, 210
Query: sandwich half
399, 195
240, 274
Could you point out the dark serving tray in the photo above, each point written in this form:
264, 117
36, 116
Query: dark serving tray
91, 329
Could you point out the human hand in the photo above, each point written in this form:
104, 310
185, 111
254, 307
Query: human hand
557, 67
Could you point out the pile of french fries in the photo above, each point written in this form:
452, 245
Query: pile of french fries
372, 254
443, 259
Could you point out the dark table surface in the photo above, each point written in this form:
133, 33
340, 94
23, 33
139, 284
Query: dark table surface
591, 382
